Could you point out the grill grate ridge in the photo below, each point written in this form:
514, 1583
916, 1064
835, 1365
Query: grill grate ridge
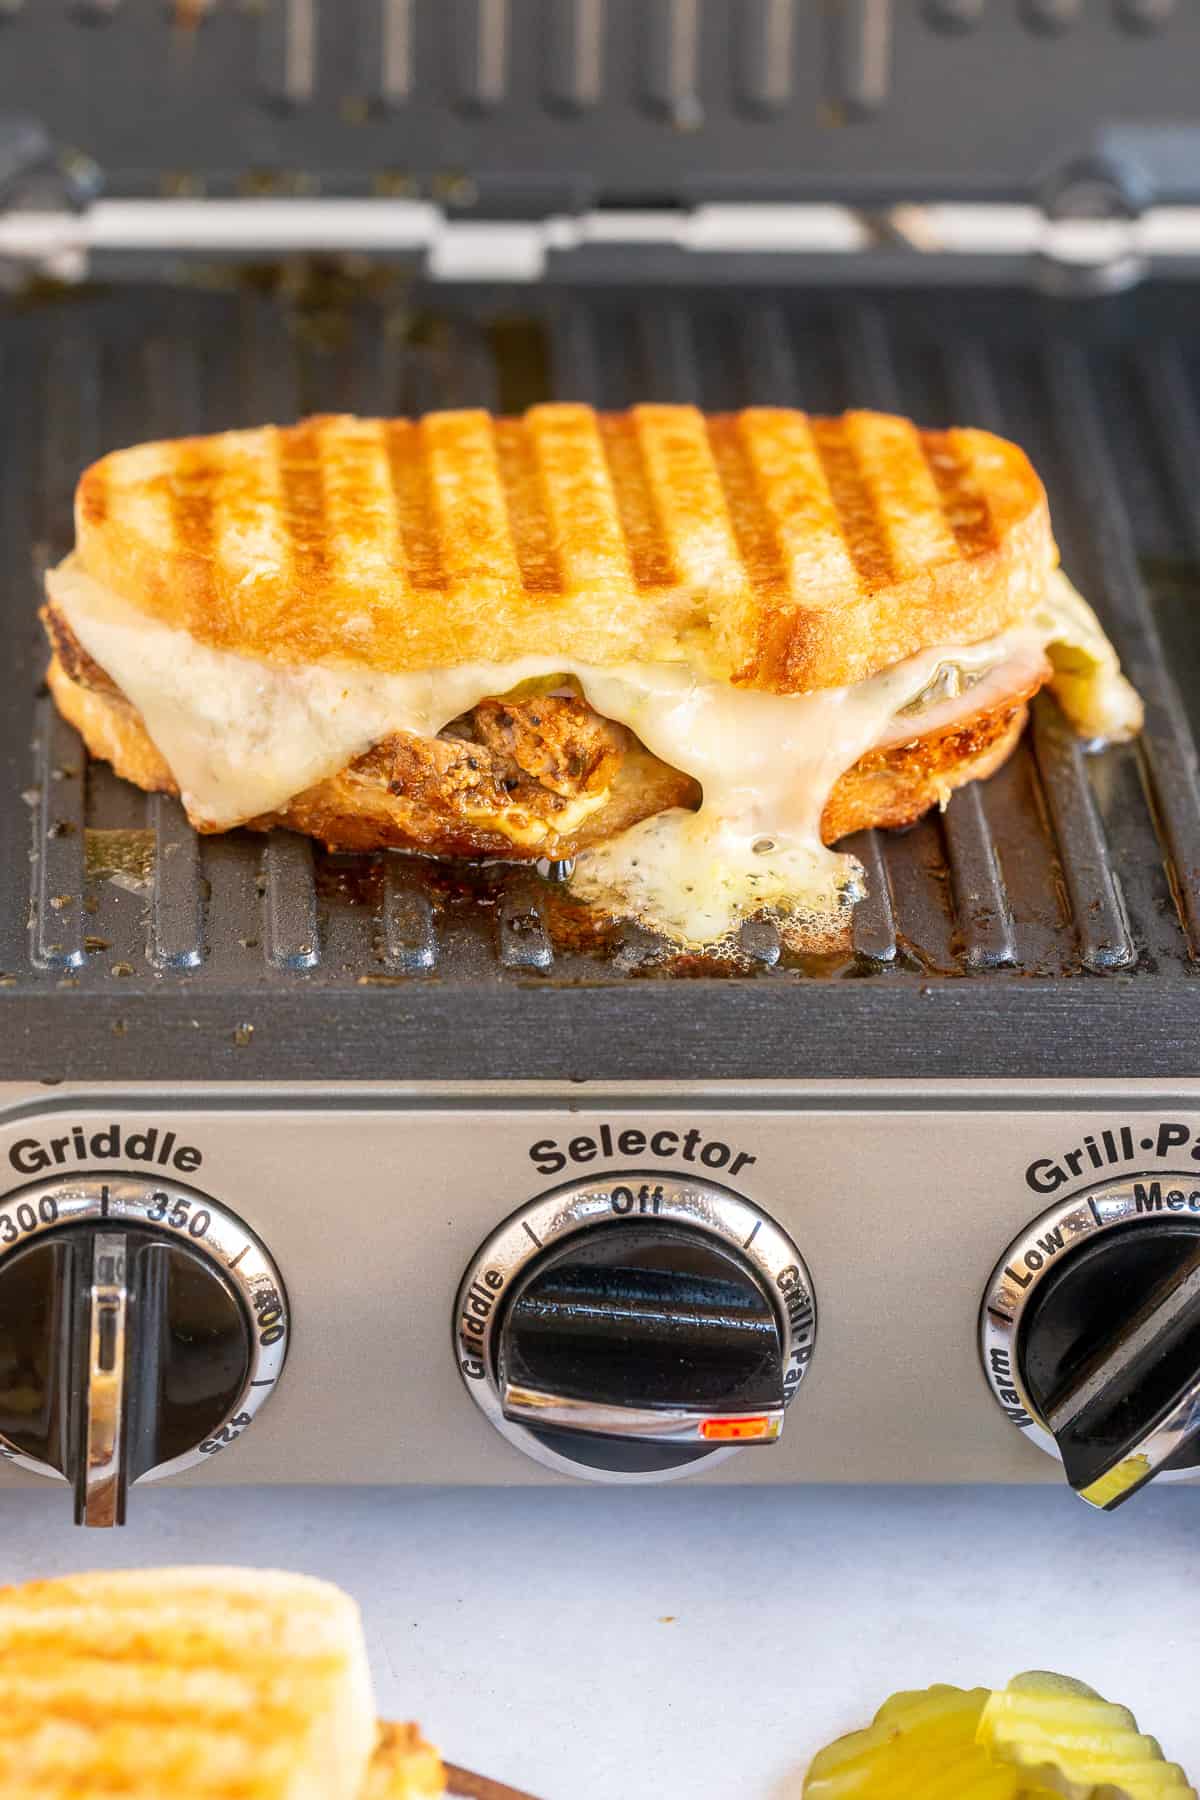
668, 346
575, 54
58, 854
671, 65
409, 926
875, 916
767, 44
575, 353
1172, 405
177, 900
979, 896
521, 936
482, 41
290, 899
1096, 903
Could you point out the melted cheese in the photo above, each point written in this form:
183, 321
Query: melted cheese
520, 827
242, 736
1087, 679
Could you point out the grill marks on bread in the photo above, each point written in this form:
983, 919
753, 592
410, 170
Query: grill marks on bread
191, 490
689, 503
302, 499
963, 496
852, 521
908, 528
770, 548
584, 493
529, 523
645, 544
416, 524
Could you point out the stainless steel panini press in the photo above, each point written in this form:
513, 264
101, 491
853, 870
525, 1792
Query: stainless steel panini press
365, 1169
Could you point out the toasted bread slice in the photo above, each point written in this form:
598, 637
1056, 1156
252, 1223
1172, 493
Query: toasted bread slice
404, 1767
356, 809
184, 1684
767, 547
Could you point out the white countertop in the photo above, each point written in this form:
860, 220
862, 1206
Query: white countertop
693, 1644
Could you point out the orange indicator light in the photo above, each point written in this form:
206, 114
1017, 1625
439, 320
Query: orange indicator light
732, 1431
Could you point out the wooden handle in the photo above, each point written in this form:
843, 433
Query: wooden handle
462, 1785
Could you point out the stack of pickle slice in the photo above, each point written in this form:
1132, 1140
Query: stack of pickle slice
1044, 1737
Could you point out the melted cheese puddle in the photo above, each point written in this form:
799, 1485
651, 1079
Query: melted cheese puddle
242, 736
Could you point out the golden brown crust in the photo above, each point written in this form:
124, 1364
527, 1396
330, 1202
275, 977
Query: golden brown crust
894, 787
777, 550
356, 809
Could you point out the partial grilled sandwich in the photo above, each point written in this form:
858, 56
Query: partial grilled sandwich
689, 650
195, 1684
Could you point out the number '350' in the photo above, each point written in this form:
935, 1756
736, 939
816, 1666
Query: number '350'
178, 1215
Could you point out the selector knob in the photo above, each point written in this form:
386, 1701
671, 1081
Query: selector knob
1091, 1335
141, 1328
636, 1328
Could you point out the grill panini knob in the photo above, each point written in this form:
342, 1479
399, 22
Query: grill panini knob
637, 1329
1091, 1336
141, 1328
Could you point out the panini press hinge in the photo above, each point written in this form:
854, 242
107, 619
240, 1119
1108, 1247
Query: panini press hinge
1083, 243
112, 234
1092, 231
39, 180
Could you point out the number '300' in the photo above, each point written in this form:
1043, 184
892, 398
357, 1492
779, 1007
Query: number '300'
26, 1218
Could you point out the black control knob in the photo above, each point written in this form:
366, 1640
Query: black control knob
636, 1328
132, 1327
1098, 1307
643, 1334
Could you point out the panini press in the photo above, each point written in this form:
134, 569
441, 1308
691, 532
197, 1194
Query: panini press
365, 1169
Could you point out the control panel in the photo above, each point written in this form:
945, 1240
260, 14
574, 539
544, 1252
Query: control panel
536, 1284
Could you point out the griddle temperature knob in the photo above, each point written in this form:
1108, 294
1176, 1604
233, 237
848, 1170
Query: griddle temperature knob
637, 1328
141, 1329
1090, 1334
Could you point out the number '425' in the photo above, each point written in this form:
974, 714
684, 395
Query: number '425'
228, 1434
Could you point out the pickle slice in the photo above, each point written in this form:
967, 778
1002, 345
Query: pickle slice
1081, 1746
919, 1744
1044, 1737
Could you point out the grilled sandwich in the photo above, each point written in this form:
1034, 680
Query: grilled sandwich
690, 652
195, 1684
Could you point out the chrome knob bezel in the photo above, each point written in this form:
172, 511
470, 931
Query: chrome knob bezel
637, 1195
122, 1199
1029, 1258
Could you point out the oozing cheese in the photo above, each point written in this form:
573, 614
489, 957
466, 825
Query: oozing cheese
242, 736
